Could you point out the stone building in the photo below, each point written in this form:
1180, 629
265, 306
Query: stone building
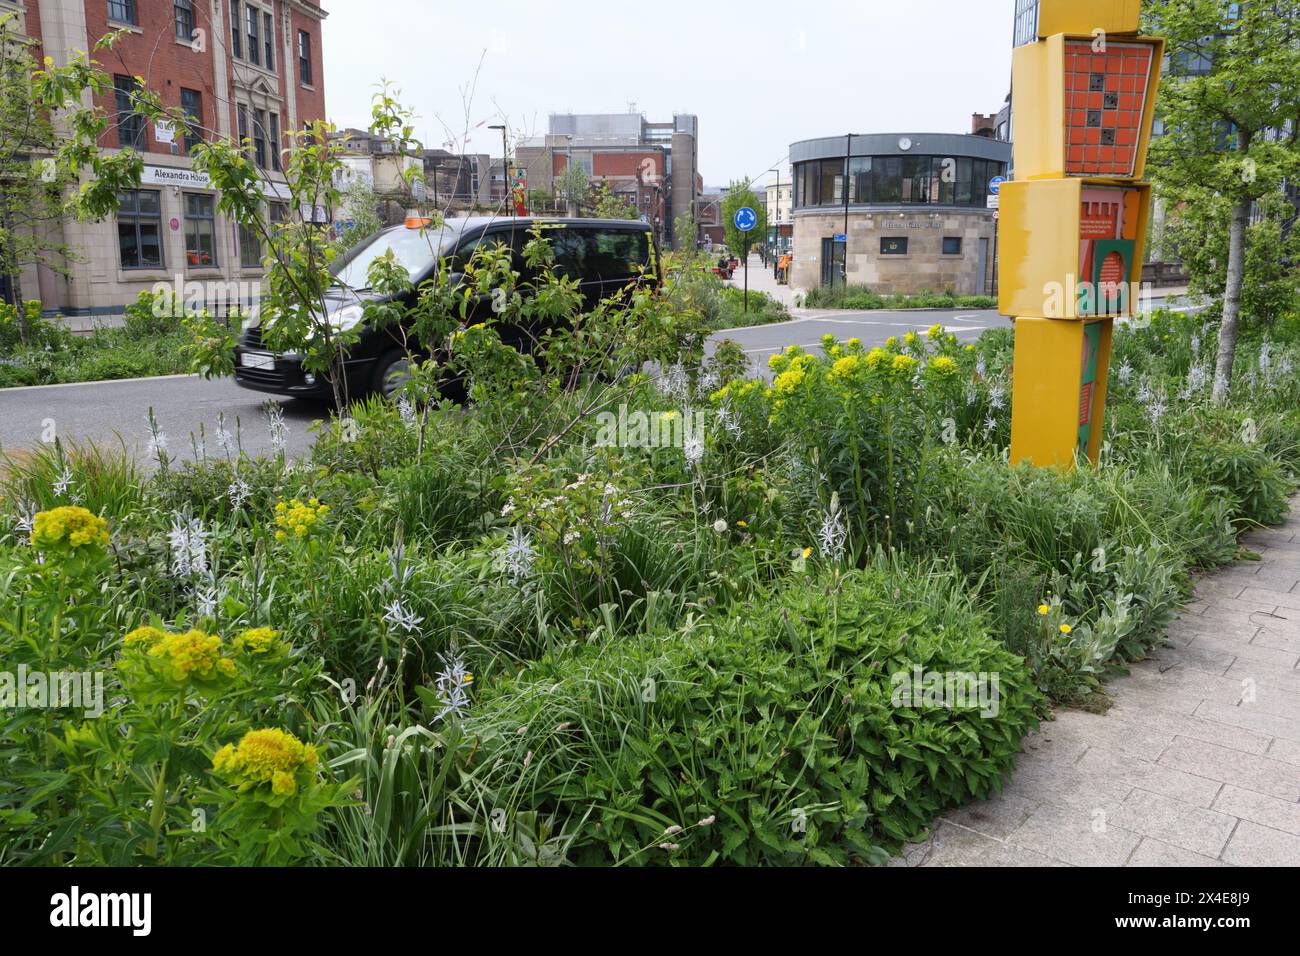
241, 68
898, 212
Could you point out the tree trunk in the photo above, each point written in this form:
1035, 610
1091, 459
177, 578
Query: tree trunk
1231, 301
16, 290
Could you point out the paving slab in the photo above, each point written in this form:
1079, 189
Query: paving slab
1197, 763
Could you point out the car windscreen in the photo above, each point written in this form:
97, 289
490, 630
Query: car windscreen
416, 249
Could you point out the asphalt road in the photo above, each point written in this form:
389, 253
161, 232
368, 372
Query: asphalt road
187, 407
113, 412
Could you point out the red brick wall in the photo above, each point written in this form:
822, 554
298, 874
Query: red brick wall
154, 54
624, 164
311, 102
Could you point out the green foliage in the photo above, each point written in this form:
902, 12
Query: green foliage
861, 297
607, 205
774, 738
739, 194
154, 339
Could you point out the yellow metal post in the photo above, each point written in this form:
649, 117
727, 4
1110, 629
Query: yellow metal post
1072, 225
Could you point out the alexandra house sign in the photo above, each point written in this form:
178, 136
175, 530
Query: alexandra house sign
190, 179
174, 176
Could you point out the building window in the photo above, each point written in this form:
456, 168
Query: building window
860, 179
236, 39
253, 18
304, 58
130, 124
259, 138
275, 141
279, 213
243, 126
832, 182
200, 230
894, 180
952, 245
139, 229
122, 11
250, 248
893, 245
916, 179
192, 107
268, 38
887, 179
184, 11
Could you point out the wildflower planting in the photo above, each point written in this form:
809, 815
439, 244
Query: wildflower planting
506, 631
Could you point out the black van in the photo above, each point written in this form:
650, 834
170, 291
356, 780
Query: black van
605, 255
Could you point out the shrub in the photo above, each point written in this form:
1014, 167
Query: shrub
777, 738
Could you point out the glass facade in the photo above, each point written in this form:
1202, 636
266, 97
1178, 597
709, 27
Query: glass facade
896, 180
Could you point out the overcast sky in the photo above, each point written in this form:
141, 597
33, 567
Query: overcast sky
760, 75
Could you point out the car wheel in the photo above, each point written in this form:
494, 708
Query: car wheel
392, 371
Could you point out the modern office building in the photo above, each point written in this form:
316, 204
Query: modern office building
654, 165
241, 68
778, 195
898, 212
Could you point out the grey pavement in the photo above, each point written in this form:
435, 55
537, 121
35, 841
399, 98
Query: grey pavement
111, 412
1197, 763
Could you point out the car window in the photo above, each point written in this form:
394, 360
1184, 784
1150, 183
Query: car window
618, 254
572, 248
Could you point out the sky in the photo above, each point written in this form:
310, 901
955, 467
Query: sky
759, 75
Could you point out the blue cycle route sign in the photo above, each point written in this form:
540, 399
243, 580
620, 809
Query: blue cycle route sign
996, 183
745, 219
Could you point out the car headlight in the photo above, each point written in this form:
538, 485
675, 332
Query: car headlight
346, 317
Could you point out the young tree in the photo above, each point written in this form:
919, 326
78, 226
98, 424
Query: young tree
48, 141
360, 206
573, 186
609, 205
740, 195
1231, 108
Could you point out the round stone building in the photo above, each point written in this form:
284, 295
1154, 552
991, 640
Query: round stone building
897, 212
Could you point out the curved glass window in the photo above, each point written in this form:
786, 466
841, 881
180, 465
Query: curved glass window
895, 180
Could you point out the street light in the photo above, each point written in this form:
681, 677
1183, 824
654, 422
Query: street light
505, 167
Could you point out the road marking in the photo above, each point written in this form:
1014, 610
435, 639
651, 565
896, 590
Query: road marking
107, 381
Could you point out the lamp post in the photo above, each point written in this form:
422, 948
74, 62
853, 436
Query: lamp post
505, 168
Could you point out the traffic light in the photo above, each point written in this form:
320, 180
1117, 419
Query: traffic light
1072, 224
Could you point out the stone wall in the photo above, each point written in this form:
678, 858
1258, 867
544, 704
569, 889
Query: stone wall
924, 268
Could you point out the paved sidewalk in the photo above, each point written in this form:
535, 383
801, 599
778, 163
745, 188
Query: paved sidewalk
1197, 763
761, 279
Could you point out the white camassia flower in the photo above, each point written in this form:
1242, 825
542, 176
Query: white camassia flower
239, 492
62, 482
399, 616
833, 535
187, 539
517, 556
452, 684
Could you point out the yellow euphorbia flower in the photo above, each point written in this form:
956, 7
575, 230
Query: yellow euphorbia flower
72, 526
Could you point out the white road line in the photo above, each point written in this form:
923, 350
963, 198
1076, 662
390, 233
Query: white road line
107, 381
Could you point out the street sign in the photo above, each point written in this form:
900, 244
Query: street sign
839, 237
745, 219
996, 183
991, 202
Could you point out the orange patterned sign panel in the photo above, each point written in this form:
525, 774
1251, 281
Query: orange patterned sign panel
1105, 95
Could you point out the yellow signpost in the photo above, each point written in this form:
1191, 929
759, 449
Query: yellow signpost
1073, 223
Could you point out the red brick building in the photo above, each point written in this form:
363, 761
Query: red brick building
250, 69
